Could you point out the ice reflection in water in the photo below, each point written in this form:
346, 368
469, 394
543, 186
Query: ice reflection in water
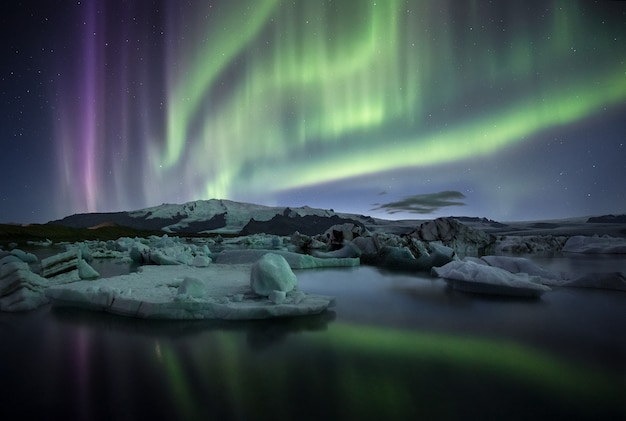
395, 347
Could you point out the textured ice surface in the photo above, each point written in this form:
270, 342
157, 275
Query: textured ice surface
295, 260
502, 270
271, 273
20, 289
176, 292
469, 275
595, 244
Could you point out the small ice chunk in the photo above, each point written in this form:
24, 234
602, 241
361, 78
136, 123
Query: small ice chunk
272, 272
277, 297
193, 287
85, 271
201, 261
297, 296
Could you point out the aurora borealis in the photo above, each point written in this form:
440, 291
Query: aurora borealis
119, 105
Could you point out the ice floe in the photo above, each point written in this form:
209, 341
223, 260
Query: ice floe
529, 243
464, 240
67, 267
295, 260
184, 292
471, 276
498, 274
20, 288
595, 244
272, 273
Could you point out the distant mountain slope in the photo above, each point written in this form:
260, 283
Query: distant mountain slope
607, 219
21, 234
216, 216
287, 225
89, 220
238, 218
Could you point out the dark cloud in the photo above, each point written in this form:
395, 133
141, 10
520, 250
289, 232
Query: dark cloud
424, 203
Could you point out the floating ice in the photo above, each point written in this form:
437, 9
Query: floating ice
24, 256
470, 276
67, 267
595, 244
184, 292
20, 289
295, 260
272, 273
526, 267
529, 243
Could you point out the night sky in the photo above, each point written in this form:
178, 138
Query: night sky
511, 110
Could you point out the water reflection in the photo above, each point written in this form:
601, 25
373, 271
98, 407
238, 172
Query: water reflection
396, 346
260, 334
324, 368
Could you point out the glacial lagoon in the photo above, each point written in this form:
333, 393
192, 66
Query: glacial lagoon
395, 346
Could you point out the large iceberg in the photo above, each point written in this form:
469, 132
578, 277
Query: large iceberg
20, 289
595, 244
184, 292
471, 276
488, 271
529, 243
272, 273
464, 240
67, 267
599, 280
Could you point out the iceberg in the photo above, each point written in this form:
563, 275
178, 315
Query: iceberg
471, 276
595, 244
20, 289
67, 267
529, 243
185, 293
295, 260
526, 268
270, 274
464, 240
600, 280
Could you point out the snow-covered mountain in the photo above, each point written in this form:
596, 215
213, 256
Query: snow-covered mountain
229, 217
217, 216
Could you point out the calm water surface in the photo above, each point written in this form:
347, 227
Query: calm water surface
395, 346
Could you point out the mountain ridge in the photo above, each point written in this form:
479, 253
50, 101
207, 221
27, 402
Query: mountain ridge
220, 216
217, 216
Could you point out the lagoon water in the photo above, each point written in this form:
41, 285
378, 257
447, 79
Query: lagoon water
395, 346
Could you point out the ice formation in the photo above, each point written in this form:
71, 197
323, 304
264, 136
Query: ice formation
295, 260
272, 273
529, 243
464, 240
186, 292
190, 288
67, 267
20, 289
471, 276
595, 244
496, 270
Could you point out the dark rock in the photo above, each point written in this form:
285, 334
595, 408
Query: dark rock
544, 225
337, 235
465, 241
87, 220
404, 259
607, 219
287, 225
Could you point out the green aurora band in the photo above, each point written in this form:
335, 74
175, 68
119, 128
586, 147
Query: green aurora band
294, 95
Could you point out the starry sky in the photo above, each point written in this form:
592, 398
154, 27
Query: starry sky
511, 110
